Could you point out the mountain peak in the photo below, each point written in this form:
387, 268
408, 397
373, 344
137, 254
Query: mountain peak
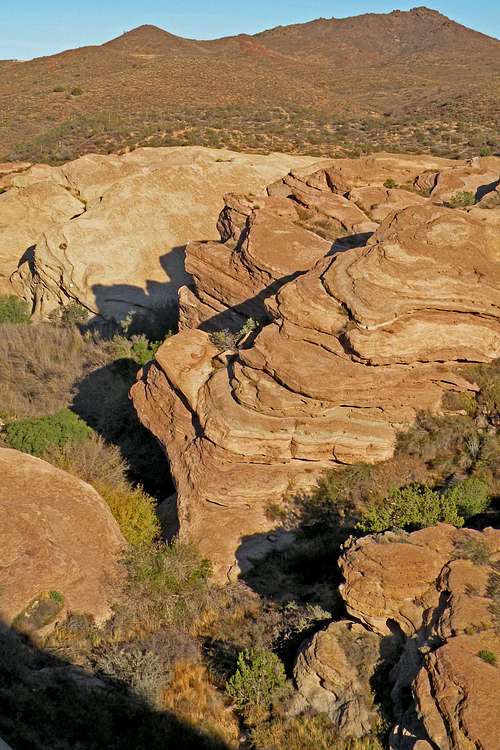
148, 39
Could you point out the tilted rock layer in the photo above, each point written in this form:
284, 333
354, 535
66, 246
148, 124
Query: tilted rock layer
59, 541
109, 231
360, 325
434, 591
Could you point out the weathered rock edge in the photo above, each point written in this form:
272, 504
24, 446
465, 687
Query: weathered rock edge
361, 325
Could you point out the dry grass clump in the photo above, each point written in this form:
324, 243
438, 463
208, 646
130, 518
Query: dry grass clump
194, 700
94, 461
304, 733
39, 367
41, 364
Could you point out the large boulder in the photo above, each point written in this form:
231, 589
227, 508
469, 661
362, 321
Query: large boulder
109, 231
439, 589
359, 326
60, 545
333, 672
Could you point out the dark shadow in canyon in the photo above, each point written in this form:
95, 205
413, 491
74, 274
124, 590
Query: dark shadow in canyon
47, 702
102, 400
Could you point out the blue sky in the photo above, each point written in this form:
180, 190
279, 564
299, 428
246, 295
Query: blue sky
29, 28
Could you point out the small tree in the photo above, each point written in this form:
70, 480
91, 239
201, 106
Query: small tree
259, 677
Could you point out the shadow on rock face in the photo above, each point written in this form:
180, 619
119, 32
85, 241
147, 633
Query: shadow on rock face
47, 702
149, 304
102, 401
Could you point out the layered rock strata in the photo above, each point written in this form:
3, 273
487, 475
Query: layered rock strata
434, 595
360, 326
109, 231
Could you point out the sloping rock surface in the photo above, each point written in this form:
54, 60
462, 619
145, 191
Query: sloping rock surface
359, 326
109, 231
60, 546
429, 587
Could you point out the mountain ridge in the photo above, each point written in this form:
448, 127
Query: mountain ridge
323, 86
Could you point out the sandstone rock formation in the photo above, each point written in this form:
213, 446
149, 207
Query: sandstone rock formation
109, 231
359, 326
59, 549
437, 590
333, 673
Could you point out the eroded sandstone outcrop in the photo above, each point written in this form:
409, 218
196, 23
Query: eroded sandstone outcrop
59, 550
109, 231
434, 592
333, 674
360, 325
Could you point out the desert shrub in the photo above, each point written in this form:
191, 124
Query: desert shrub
58, 89
226, 339
140, 669
414, 507
475, 550
390, 184
305, 732
342, 494
134, 511
37, 435
439, 441
470, 497
74, 314
259, 678
14, 310
94, 461
461, 199
487, 377
40, 365
76, 91
488, 656
459, 401
137, 348
167, 583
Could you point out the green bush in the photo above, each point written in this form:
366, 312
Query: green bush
38, 435
414, 507
134, 511
390, 184
76, 91
462, 199
14, 310
259, 678
138, 348
167, 583
470, 497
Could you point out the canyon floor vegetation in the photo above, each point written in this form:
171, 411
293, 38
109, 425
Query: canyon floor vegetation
183, 660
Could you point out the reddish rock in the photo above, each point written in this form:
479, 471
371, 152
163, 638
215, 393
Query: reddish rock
60, 548
356, 332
